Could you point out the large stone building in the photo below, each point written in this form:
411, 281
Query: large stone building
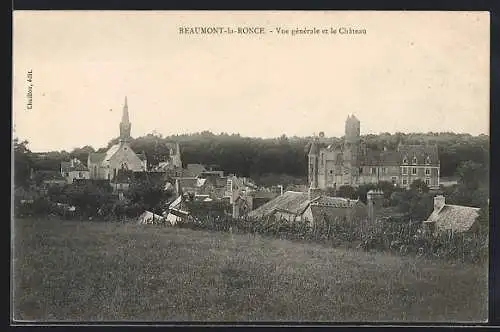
119, 157
351, 163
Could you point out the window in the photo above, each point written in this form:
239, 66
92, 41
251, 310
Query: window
414, 170
414, 160
384, 170
428, 160
393, 180
331, 171
427, 181
427, 171
405, 170
66, 174
361, 170
405, 181
374, 170
405, 160
80, 174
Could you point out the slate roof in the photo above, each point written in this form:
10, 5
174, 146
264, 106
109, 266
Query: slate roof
195, 169
112, 150
66, 167
291, 201
97, 157
421, 152
217, 181
381, 158
456, 218
337, 202
188, 182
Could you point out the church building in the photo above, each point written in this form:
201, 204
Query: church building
119, 157
351, 163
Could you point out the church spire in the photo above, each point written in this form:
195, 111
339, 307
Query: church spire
125, 124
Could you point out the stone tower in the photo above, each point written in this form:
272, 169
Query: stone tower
313, 163
125, 124
314, 191
352, 147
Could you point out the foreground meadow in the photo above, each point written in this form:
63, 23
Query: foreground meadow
70, 270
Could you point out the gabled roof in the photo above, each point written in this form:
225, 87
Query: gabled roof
420, 151
291, 201
112, 150
97, 157
454, 217
66, 167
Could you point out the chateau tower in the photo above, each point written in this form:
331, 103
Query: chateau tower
125, 124
313, 163
352, 147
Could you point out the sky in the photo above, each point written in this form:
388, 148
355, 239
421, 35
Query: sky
410, 72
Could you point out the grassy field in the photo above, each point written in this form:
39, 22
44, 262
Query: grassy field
67, 270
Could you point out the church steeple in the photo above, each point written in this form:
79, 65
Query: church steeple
125, 124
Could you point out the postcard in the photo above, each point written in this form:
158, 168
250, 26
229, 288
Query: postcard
250, 166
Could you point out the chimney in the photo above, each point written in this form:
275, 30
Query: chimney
439, 202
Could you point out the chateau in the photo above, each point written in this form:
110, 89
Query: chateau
351, 163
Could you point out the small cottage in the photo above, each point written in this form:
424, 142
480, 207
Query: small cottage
448, 217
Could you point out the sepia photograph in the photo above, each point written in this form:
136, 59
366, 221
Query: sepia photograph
250, 166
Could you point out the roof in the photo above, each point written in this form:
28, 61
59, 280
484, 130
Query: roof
420, 151
217, 181
66, 167
188, 182
337, 202
111, 151
291, 201
97, 157
142, 156
385, 158
195, 169
454, 217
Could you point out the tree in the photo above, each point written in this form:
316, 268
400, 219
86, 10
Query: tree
347, 192
472, 175
419, 186
23, 162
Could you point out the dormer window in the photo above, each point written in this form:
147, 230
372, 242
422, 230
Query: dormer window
414, 160
428, 160
405, 160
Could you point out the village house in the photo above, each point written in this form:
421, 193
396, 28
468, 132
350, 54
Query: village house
448, 217
301, 206
74, 169
351, 163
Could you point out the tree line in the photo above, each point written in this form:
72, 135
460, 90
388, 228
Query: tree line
259, 157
